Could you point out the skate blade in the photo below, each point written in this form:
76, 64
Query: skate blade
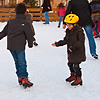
69, 82
46, 24
77, 86
28, 87
25, 87
20, 84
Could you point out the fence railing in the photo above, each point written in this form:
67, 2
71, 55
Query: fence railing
9, 13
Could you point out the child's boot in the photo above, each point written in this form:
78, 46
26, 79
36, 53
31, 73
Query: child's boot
78, 75
26, 83
78, 81
20, 80
71, 78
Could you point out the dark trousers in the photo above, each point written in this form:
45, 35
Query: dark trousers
20, 63
75, 68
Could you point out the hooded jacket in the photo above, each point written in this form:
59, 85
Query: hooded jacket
18, 30
61, 11
75, 41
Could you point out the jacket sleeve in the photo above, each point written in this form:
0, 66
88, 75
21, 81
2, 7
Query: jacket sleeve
48, 3
28, 34
3, 33
62, 42
68, 11
81, 39
33, 31
58, 12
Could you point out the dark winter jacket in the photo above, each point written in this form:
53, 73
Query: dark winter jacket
18, 30
95, 6
82, 9
45, 6
75, 41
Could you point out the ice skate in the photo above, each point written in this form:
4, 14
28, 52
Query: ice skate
26, 83
71, 78
77, 82
95, 56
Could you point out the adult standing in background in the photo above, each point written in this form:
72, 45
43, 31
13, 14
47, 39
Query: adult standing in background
46, 8
82, 9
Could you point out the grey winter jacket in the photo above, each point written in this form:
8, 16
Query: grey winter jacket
18, 30
28, 18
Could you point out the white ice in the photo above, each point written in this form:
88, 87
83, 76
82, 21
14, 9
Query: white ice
47, 67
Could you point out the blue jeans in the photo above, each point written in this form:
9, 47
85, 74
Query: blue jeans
46, 17
92, 45
96, 28
20, 63
60, 18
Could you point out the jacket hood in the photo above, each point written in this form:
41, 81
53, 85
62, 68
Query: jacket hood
21, 16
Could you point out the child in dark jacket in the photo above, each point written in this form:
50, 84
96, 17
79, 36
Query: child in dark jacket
18, 30
29, 19
75, 48
61, 12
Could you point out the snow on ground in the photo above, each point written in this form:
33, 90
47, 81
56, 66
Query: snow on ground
48, 70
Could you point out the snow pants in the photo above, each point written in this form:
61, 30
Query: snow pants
75, 68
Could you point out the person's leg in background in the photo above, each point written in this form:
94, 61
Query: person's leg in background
92, 44
94, 33
95, 30
46, 18
60, 19
98, 23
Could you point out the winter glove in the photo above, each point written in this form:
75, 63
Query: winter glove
55, 44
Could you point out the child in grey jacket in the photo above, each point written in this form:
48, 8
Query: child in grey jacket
29, 19
18, 31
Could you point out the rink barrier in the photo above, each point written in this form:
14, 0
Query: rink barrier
9, 13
